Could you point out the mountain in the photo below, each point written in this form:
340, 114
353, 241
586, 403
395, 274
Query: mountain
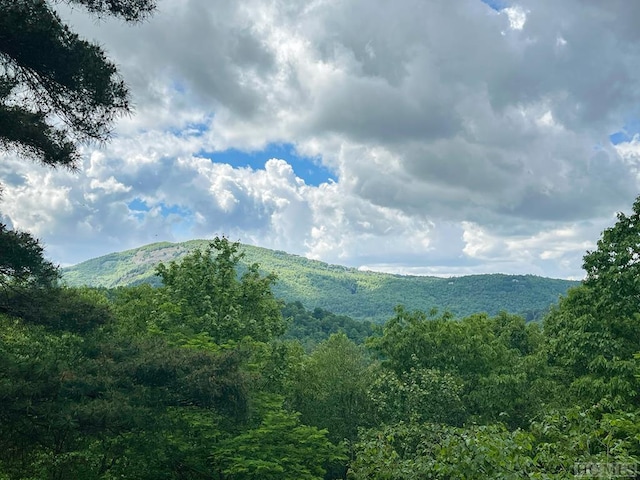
342, 290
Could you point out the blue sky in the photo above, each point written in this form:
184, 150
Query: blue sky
497, 5
309, 169
435, 138
626, 134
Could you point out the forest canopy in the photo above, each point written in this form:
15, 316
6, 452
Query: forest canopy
210, 376
204, 377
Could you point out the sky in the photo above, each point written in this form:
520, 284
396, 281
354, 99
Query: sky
429, 138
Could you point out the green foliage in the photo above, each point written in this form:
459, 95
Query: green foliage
89, 407
495, 359
594, 349
22, 262
577, 435
330, 388
613, 269
311, 328
194, 380
206, 295
413, 451
78, 310
548, 400
280, 448
139, 309
550, 450
360, 295
57, 89
418, 395
593, 333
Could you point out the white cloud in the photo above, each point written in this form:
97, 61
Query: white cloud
455, 148
110, 185
517, 17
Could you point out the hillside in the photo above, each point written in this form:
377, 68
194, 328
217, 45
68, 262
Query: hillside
342, 290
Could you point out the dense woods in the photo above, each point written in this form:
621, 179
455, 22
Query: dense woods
211, 376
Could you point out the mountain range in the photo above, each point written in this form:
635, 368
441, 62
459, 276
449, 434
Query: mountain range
363, 295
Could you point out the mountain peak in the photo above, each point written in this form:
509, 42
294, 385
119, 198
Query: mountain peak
339, 289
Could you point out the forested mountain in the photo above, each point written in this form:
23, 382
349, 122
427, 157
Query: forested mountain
341, 290
210, 376
198, 379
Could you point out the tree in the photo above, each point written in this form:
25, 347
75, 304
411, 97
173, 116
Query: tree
593, 349
414, 451
495, 359
56, 89
78, 310
280, 448
205, 294
419, 395
330, 388
103, 405
22, 261
25, 275
311, 328
613, 269
594, 331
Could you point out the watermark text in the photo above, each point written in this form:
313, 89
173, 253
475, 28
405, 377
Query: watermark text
605, 470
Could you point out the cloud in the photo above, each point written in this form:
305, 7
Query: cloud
461, 138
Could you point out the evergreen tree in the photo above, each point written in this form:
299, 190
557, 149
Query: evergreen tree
57, 89
22, 260
25, 275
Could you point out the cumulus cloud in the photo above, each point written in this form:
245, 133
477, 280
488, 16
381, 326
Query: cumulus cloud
462, 139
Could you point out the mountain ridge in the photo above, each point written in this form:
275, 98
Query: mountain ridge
365, 295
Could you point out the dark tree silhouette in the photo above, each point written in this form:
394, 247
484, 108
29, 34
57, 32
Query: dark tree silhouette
56, 92
56, 89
